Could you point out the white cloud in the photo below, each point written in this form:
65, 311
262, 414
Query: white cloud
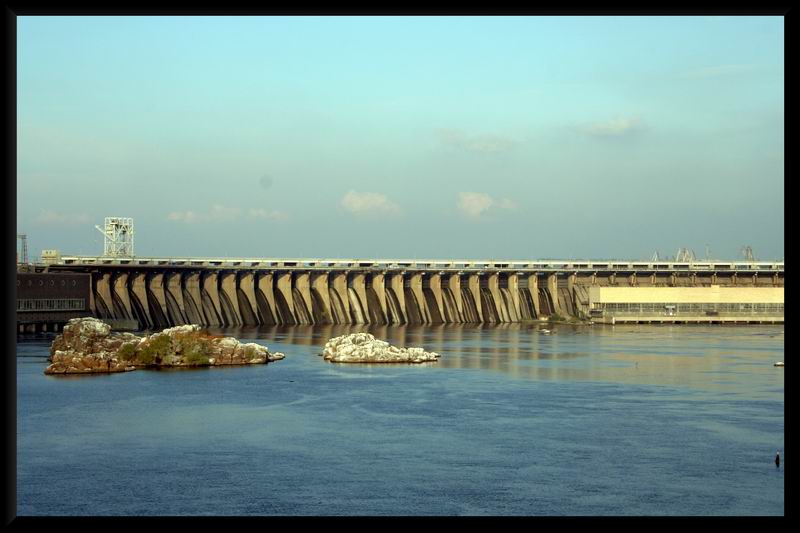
487, 144
505, 203
617, 127
52, 217
474, 204
221, 213
267, 215
184, 216
368, 202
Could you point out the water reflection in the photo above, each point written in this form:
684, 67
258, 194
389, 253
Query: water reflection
694, 356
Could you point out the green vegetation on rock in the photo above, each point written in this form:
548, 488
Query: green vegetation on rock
194, 351
555, 318
196, 357
155, 351
127, 351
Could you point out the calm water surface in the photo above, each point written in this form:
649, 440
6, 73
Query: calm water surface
624, 420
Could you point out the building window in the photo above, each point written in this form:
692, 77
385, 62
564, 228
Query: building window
51, 304
691, 309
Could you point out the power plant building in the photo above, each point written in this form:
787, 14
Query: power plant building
712, 304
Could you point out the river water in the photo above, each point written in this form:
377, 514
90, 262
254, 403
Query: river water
602, 420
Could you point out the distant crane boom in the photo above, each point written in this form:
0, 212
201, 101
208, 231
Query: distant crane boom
685, 255
747, 252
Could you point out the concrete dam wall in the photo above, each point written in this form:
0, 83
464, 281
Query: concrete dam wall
164, 297
222, 298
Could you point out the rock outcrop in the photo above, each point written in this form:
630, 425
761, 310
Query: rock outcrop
87, 346
365, 348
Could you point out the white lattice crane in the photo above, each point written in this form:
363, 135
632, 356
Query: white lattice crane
118, 237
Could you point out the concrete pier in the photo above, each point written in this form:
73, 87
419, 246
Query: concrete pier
357, 282
340, 300
247, 299
420, 307
210, 298
155, 286
302, 284
284, 297
120, 288
321, 294
174, 291
452, 286
435, 286
139, 292
398, 293
499, 302
229, 301
513, 290
192, 302
552, 288
377, 285
474, 287
266, 308
105, 305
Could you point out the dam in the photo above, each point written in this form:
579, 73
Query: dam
230, 292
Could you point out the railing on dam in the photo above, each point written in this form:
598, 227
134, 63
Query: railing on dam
424, 264
162, 292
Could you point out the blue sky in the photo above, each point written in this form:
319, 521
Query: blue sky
451, 137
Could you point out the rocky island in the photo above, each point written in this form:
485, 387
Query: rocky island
88, 346
365, 348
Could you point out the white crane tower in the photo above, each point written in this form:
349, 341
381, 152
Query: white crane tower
118, 234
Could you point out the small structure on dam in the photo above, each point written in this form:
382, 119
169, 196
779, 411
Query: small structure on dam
162, 292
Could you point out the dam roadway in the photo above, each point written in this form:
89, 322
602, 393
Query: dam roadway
230, 292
